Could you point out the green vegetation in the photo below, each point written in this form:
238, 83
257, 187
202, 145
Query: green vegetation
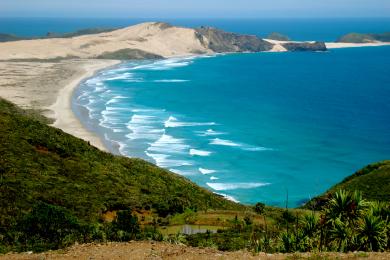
129, 54
347, 223
278, 37
365, 38
39, 163
373, 181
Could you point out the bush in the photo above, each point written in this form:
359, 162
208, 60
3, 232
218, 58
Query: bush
259, 208
48, 227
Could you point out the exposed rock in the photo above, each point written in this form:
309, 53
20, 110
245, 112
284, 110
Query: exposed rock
221, 41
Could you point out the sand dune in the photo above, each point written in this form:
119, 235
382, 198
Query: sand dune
156, 38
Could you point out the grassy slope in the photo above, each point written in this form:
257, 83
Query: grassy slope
42, 163
373, 181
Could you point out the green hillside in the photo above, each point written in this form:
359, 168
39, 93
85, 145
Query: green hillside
373, 181
39, 163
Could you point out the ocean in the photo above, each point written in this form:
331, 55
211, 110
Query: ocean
252, 127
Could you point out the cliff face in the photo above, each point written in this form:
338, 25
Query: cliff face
220, 41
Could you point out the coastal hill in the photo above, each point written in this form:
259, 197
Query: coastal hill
146, 40
365, 38
373, 181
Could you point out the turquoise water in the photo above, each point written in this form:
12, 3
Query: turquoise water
248, 126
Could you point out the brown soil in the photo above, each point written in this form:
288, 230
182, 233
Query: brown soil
159, 250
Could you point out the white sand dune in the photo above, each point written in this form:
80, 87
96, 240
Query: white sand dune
156, 38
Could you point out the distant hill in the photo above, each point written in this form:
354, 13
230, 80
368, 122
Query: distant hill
39, 163
373, 181
278, 37
365, 38
4, 37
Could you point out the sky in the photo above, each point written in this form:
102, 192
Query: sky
194, 8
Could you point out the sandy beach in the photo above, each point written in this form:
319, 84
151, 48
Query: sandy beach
338, 45
48, 88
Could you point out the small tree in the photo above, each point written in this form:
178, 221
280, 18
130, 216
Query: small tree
259, 208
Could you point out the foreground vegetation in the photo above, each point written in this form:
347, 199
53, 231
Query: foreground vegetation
56, 190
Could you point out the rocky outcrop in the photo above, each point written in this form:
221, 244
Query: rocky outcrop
304, 46
220, 41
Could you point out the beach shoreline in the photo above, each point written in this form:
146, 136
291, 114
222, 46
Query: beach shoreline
65, 118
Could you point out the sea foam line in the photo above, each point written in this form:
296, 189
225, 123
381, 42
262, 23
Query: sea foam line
206, 171
199, 152
174, 122
235, 186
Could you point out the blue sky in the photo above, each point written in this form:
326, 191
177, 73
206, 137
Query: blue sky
194, 8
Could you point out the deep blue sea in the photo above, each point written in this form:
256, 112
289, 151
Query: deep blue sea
248, 126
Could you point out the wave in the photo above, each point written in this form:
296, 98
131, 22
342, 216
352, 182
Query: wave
209, 132
143, 127
169, 144
164, 161
214, 178
126, 76
228, 197
181, 172
245, 147
166, 64
206, 171
223, 142
115, 99
170, 80
174, 122
235, 186
199, 152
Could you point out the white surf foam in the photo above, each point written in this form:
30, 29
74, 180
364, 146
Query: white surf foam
206, 171
235, 186
223, 142
163, 160
209, 132
214, 178
228, 197
174, 122
170, 80
199, 152
169, 145
144, 127
121, 76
